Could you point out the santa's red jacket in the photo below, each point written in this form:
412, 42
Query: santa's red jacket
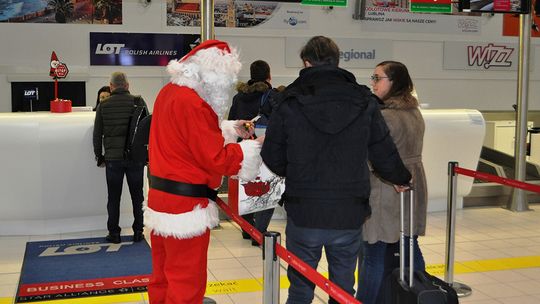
187, 145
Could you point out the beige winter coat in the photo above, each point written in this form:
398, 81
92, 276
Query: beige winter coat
407, 129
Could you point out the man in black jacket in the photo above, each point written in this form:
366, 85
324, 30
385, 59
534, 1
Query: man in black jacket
321, 137
110, 130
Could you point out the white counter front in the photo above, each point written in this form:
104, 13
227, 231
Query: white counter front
49, 181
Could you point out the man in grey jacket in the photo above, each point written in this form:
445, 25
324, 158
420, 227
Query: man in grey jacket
111, 128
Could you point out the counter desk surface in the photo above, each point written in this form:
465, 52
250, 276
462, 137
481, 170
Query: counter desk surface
50, 182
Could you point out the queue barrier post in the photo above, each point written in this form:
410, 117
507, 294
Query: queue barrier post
461, 289
271, 267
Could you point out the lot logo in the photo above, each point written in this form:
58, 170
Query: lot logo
81, 249
109, 48
29, 93
489, 56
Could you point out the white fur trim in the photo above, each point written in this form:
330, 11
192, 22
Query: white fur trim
211, 73
228, 131
183, 225
252, 161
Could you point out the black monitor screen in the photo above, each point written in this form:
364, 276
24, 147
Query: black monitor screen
495, 6
36, 96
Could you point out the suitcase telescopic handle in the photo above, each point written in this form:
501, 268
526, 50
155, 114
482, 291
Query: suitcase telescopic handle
402, 237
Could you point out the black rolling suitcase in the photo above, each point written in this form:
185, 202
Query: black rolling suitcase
423, 288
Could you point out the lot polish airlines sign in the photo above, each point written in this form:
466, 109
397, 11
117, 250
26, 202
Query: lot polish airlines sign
485, 56
125, 49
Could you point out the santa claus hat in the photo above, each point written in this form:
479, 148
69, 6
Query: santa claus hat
206, 45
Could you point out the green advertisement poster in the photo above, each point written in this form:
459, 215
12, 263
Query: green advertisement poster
341, 3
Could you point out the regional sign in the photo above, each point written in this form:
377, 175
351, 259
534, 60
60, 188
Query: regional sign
127, 49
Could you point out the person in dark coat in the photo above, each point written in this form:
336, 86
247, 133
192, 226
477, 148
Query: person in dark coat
320, 137
111, 127
256, 97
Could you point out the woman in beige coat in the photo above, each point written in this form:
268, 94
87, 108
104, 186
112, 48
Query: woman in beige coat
393, 85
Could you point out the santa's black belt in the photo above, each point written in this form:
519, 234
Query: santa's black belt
179, 188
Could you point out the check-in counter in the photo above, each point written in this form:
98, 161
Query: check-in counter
50, 183
451, 135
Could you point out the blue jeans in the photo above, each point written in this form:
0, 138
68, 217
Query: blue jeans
372, 268
341, 247
115, 171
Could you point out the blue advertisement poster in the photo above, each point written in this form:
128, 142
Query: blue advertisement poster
127, 49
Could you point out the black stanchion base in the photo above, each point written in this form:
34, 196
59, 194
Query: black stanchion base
208, 301
461, 289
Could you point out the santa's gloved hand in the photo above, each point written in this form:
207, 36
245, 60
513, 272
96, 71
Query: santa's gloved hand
100, 161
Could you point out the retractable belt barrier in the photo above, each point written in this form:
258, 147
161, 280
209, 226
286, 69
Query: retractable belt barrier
497, 179
311, 274
453, 170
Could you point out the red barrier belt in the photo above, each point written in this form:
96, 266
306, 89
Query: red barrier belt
329, 287
498, 179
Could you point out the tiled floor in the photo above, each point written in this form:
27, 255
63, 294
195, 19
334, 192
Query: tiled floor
497, 254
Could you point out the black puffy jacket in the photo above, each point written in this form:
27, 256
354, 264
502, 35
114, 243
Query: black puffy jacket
320, 138
253, 98
112, 123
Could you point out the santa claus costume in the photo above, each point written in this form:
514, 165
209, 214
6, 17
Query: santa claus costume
190, 151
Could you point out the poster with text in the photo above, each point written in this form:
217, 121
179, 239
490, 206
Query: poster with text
61, 11
394, 16
240, 14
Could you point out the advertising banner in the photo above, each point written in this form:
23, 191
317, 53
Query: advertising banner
395, 16
431, 6
341, 3
484, 56
240, 14
354, 53
61, 11
127, 49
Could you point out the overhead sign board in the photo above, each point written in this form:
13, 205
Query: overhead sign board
353, 53
340, 3
139, 48
430, 6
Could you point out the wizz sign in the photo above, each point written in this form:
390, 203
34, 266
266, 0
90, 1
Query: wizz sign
489, 56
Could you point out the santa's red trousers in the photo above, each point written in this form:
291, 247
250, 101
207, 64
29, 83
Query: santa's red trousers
179, 270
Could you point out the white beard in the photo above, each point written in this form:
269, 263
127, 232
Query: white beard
211, 73
218, 96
